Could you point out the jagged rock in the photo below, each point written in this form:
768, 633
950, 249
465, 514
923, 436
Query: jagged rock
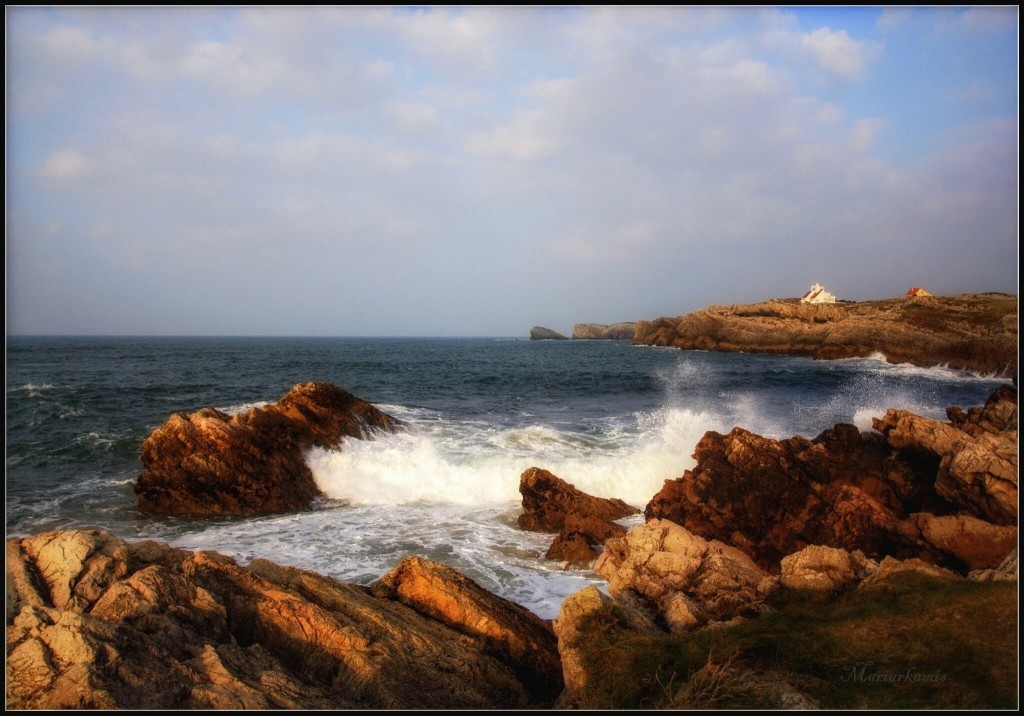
548, 501
824, 569
890, 567
578, 533
98, 623
772, 498
551, 504
889, 493
1005, 572
212, 463
601, 332
439, 592
973, 331
690, 580
540, 333
977, 468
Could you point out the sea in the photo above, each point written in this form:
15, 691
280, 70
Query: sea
614, 419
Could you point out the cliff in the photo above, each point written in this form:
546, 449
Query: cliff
540, 333
969, 331
602, 332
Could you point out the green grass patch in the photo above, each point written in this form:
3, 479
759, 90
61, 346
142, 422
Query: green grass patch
915, 643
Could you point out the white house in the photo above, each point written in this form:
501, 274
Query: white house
818, 294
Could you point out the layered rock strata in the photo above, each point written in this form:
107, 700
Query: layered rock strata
94, 622
212, 463
971, 331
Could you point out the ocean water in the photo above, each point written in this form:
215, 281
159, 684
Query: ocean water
614, 419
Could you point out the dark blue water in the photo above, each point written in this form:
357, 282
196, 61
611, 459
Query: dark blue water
610, 417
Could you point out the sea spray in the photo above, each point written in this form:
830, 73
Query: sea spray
452, 462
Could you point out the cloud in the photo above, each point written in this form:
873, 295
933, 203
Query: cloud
836, 52
66, 164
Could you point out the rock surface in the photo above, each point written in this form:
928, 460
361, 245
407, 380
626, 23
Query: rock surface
212, 463
94, 622
978, 456
689, 580
551, 504
972, 331
824, 569
540, 333
601, 332
920, 488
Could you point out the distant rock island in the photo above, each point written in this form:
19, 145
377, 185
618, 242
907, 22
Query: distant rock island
602, 332
975, 331
540, 333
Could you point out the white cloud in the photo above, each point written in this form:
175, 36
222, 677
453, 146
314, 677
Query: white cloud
66, 164
836, 52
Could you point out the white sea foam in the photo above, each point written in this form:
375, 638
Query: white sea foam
243, 407
466, 463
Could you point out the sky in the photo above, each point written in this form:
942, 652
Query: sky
476, 171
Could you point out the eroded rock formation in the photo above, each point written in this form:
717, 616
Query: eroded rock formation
212, 463
689, 580
94, 622
920, 489
551, 504
972, 331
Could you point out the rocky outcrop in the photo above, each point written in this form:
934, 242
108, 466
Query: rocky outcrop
886, 494
551, 504
540, 333
972, 331
978, 454
601, 332
93, 622
690, 581
212, 463
522, 639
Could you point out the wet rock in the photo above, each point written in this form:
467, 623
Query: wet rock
212, 463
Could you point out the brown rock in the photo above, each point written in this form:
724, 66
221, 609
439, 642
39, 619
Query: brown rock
890, 567
974, 543
150, 627
514, 634
824, 569
689, 579
573, 543
209, 462
602, 332
548, 501
973, 331
977, 467
772, 498
1005, 572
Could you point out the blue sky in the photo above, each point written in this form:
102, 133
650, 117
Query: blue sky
480, 170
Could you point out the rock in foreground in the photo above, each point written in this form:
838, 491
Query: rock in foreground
212, 463
94, 622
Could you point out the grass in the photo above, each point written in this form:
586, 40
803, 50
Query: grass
915, 643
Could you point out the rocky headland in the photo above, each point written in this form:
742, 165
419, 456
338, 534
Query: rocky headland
601, 332
540, 333
975, 332
212, 463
